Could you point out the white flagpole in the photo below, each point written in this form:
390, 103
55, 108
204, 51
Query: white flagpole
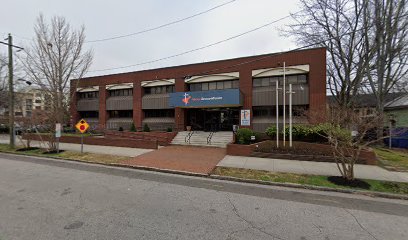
277, 114
284, 103
290, 114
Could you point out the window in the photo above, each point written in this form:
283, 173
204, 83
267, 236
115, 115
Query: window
89, 114
212, 86
159, 113
38, 107
270, 81
38, 101
28, 113
159, 89
227, 84
121, 114
121, 92
88, 95
220, 85
235, 84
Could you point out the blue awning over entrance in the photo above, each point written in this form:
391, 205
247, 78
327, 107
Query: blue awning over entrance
203, 99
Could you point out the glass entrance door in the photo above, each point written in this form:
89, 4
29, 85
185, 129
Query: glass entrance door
213, 119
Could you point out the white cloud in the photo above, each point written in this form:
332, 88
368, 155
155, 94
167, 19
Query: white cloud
109, 18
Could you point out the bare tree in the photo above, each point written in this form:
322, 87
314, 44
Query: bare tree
348, 133
336, 25
56, 56
3, 81
388, 39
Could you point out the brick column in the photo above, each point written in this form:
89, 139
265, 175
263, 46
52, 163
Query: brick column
103, 115
317, 87
180, 113
245, 86
137, 105
73, 104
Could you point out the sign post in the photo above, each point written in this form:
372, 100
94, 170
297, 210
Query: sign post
58, 134
82, 126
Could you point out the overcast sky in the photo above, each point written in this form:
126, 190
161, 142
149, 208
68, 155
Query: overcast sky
103, 19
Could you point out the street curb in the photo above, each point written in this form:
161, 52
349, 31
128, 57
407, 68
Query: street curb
311, 187
232, 179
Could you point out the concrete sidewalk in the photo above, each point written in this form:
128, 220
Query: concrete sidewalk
308, 167
119, 151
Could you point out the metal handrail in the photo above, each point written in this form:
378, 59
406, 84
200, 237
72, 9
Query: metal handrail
210, 137
188, 137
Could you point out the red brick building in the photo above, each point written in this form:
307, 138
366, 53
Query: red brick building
205, 96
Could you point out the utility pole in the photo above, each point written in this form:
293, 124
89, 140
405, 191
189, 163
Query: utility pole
11, 91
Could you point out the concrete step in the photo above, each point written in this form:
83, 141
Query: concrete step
199, 138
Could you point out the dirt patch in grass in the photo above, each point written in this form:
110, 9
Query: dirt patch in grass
26, 149
93, 157
314, 180
395, 160
87, 157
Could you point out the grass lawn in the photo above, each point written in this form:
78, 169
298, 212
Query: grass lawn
393, 159
314, 180
87, 157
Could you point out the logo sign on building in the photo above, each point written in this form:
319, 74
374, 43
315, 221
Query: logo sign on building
58, 130
245, 117
82, 126
214, 98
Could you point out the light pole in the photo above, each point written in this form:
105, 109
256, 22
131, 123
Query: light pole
11, 90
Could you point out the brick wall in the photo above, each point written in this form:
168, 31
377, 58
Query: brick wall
316, 58
163, 138
114, 142
314, 152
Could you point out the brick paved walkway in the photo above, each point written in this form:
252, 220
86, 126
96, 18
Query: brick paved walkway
181, 158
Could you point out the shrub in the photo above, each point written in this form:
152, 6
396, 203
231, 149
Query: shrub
244, 135
133, 128
306, 133
120, 129
4, 129
169, 129
146, 128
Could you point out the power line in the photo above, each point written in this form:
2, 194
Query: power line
160, 26
272, 55
196, 49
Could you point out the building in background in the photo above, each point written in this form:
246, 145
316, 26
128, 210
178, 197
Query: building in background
27, 100
395, 108
204, 96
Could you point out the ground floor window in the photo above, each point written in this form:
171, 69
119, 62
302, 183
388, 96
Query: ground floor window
120, 114
89, 114
156, 113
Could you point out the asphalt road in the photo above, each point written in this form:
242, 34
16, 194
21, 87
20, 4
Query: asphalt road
51, 199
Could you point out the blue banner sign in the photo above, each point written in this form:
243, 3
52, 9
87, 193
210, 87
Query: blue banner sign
214, 98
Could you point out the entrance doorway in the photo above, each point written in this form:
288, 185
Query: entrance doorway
213, 119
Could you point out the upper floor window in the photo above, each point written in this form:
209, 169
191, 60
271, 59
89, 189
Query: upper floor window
121, 92
88, 95
271, 81
219, 85
159, 89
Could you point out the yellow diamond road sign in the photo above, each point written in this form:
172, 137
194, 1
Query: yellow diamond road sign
82, 126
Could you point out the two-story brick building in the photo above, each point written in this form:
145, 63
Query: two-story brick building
205, 96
